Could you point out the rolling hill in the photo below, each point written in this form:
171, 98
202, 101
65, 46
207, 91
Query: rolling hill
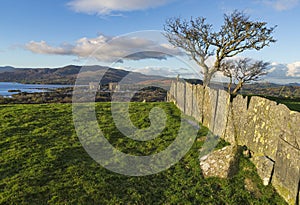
68, 75
6, 69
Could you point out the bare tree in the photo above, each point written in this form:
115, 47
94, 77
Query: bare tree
242, 71
237, 34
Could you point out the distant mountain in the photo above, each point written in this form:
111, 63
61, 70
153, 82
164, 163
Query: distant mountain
68, 75
294, 84
291, 90
6, 69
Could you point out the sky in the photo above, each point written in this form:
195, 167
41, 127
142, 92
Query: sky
55, 33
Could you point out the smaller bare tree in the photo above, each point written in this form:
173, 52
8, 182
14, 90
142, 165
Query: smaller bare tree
242, 71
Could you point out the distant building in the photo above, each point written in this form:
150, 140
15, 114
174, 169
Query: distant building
94, 86
131, 87
113, 86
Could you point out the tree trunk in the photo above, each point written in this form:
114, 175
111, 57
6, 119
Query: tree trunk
206, 79
238, 88
229, 85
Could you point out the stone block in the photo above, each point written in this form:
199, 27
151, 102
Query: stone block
287, 172
209, 107
189, 99
221, 115
196, 110
200, 101
229, 134
181, 96
260, 133
173, 91
264, 167
240, 119
221, 163
291, 128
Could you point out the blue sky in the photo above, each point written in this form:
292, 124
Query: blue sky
53, 33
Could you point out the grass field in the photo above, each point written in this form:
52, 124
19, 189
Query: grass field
43, 162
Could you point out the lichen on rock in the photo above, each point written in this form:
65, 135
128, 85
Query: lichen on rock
221, 163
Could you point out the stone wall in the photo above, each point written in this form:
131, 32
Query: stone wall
270, 131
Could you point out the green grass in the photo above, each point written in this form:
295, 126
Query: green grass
43, 162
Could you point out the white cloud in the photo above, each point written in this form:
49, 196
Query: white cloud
43, 48
163, 71
106, 7
284, 73
108, 49
293, 69
277, 70
281, 5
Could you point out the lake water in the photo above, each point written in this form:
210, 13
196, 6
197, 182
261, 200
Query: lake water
30, 88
